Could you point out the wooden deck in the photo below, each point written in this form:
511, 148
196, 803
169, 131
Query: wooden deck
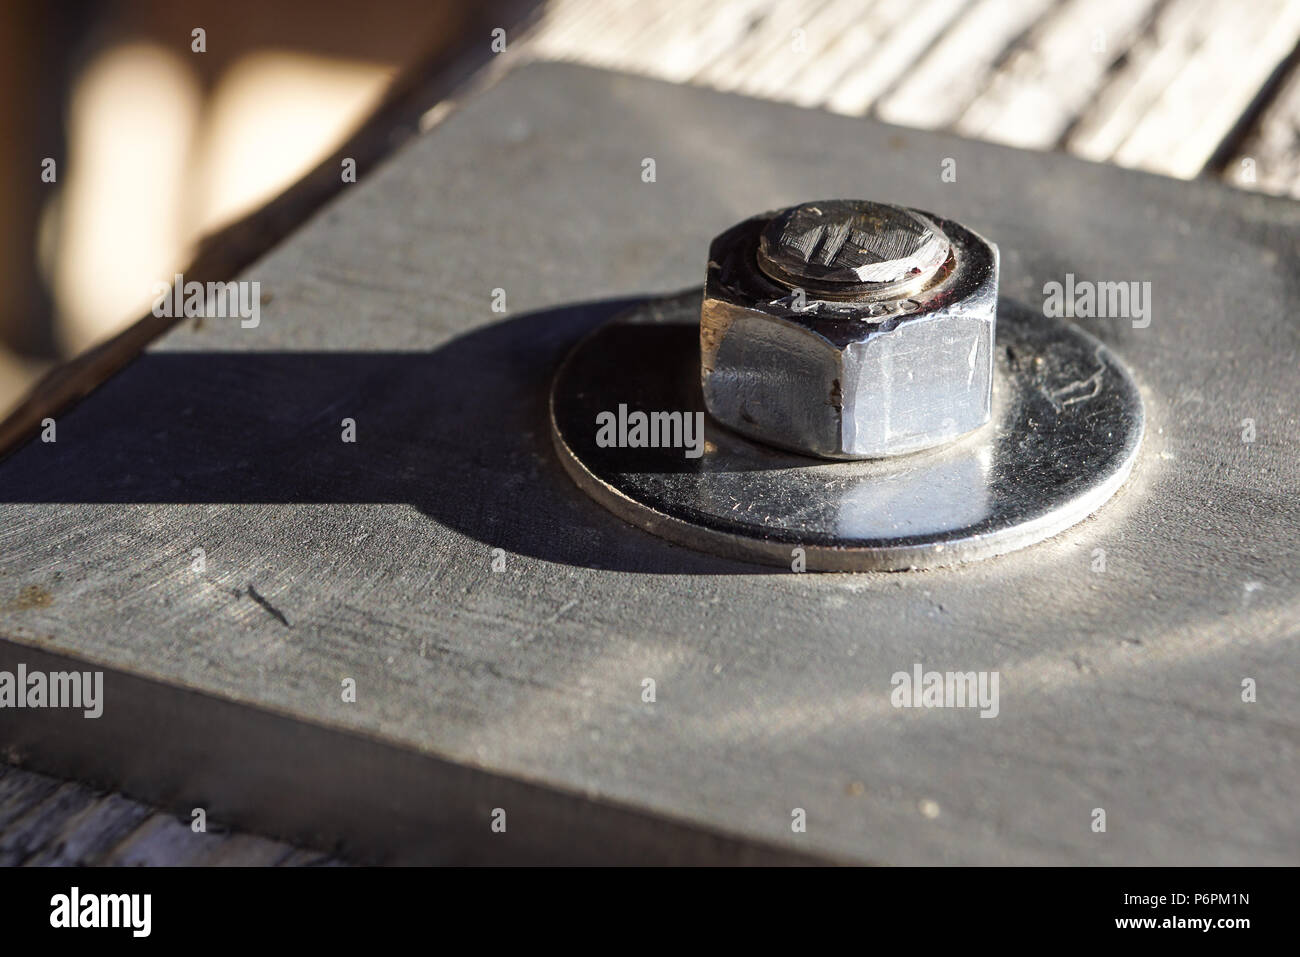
45, 822
1177, 87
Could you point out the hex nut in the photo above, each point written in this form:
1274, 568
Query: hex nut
846, 329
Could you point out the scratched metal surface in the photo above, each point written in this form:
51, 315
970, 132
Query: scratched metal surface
1120, 689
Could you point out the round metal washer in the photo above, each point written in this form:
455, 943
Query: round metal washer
1066, 425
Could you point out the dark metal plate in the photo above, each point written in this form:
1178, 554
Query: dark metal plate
1067, 422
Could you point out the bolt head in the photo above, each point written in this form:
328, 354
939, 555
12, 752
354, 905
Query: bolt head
849, 376
852, 249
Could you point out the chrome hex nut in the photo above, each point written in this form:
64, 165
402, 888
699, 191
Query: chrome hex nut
846, 329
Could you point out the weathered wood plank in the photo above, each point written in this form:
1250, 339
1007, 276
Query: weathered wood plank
19, 793
45, 822
1136, 87
1051, 76
1269, 158
1187, 84
302, 858
1155, 84
902, 34
87, 837
940, 87
42, 822
163, 840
